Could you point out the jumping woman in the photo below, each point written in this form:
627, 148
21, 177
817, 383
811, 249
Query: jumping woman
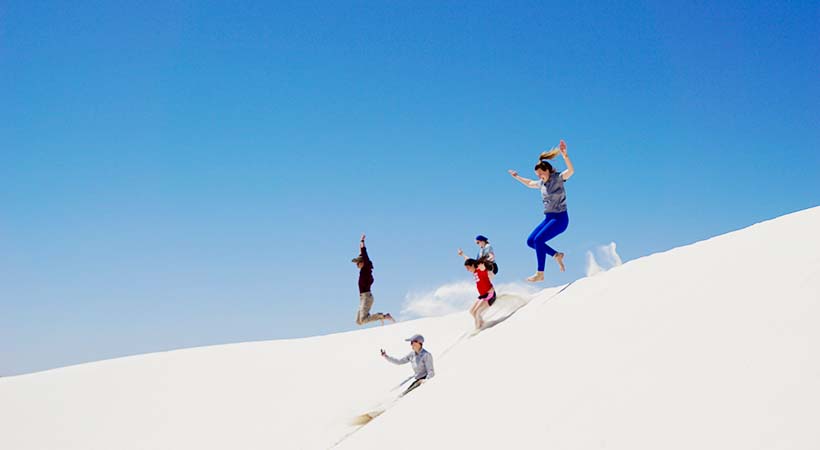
551, 183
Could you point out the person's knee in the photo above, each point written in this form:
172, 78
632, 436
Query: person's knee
531, 242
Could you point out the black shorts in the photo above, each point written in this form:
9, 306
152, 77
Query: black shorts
491, 300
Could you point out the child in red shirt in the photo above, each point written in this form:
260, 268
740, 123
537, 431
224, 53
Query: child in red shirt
486, 292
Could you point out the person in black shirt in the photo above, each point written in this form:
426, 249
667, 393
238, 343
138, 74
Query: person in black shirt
365, 266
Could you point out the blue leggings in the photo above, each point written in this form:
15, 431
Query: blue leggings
553, 225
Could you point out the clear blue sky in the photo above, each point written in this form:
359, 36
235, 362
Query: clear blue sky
177, 173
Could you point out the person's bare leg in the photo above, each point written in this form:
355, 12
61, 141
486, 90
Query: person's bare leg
539, 276
559, 258
473, 312
480, 310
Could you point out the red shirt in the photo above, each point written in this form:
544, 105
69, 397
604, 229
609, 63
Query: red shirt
482, 281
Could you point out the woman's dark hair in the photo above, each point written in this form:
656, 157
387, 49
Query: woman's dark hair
543, 164
489, 265
471, 262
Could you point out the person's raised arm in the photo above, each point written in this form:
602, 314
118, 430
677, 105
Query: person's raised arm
363, 250
570, 169
461, 253
532, 184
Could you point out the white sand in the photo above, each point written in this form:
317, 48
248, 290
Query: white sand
715, 345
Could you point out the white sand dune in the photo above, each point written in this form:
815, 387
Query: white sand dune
714, 345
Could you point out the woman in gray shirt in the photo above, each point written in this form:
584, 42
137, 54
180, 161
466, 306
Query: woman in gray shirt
556, 220
420, 359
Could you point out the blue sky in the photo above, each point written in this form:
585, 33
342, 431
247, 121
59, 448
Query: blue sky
177, 174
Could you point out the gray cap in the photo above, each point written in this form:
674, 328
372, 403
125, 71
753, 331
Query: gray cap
357, 259
416, 337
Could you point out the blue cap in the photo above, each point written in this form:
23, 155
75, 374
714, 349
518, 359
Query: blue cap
416, 338
481, 238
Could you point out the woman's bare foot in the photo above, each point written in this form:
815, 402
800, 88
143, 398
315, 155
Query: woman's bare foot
539, 276
559, 258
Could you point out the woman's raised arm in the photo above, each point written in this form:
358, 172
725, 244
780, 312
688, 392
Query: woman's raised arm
570, 169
